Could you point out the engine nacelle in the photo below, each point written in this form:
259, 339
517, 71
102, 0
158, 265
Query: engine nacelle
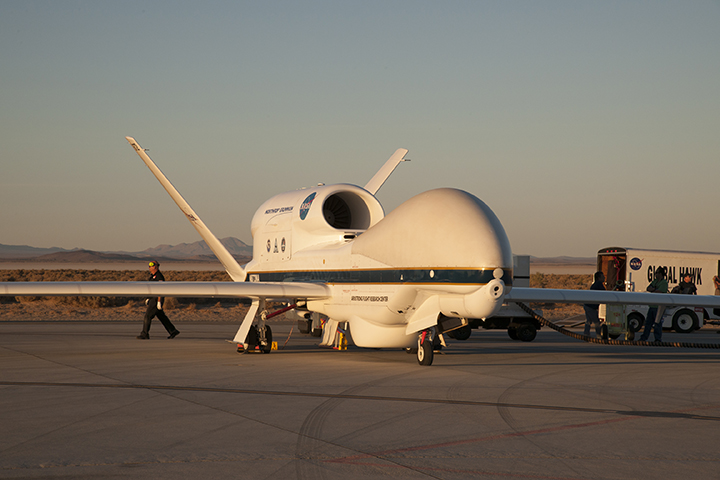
293, 221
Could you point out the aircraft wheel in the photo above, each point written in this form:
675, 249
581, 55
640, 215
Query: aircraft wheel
316, 332
684, 321
268, 337
512, 333
526, 332
462, 333
451, 334
635, 322
425, 351
251, 339
615, 336
411, 350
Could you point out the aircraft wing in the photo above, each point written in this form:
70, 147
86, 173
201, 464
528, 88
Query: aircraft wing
276, 290
553, 295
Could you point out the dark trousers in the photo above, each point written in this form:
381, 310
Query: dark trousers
152, 312
651, 325
591, 318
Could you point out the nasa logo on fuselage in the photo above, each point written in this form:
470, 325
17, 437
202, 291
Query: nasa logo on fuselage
636, 263
305, 207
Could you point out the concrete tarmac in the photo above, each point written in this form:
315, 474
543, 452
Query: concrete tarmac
89, 400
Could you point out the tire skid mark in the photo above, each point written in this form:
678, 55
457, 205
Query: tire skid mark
310, 439
473, 473
510, 420
488, 438
501, 436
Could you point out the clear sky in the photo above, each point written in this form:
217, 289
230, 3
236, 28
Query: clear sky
581, 124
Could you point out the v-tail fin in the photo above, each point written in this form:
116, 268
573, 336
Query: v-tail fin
386, 170
232, 267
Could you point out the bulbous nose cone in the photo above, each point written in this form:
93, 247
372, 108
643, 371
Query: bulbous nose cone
445, 227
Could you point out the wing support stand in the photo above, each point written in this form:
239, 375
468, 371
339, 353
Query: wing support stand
242, 333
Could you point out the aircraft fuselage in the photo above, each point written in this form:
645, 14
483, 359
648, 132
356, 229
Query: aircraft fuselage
445, 247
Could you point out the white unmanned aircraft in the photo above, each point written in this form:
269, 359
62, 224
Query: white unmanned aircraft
397, 280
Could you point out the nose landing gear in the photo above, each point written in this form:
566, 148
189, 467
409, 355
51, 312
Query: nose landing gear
425, 348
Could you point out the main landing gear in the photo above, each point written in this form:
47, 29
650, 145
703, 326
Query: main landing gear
259, 339
259, 336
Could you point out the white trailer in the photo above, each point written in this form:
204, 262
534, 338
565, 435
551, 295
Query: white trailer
632, 270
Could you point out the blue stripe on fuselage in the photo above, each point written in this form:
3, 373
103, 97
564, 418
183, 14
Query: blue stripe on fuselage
387, 276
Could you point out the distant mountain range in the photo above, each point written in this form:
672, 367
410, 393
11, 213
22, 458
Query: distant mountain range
184, 252
198, 251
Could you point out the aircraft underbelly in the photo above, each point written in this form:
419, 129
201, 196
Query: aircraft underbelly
370, 335
369, 302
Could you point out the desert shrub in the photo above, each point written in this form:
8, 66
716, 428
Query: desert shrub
171, 303
30, 299
70, 275
551, 280
91, 302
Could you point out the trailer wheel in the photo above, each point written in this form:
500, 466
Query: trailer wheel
512, 333
462, 333
635, 322
604, 331
526, 332
684, 321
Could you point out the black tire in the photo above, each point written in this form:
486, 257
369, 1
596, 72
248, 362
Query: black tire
251, 339
526, 332
684, 321
635, 322
316, 332
425, 352
411, 350
268, 337
604, 332
512, 333
614, 336
451, 334
462, 333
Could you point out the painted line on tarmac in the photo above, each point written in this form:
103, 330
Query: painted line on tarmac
240, 391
